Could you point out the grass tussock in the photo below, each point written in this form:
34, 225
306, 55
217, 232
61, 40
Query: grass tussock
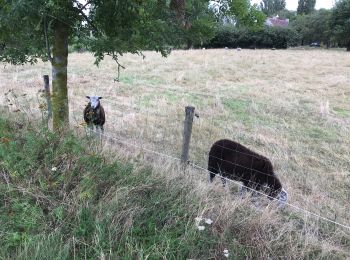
64, 198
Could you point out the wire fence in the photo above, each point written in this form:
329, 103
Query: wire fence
140, 144
172, 119
153, 130
300, 209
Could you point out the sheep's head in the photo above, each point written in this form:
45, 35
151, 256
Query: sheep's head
94, 101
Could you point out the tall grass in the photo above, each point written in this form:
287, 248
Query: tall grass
60, 199
64, 198
291, 106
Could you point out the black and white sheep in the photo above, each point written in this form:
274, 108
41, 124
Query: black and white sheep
235, 161
94, 114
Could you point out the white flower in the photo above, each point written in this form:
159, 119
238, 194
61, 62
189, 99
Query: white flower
226, 253
201, 228
198, 219
208, 221
54, 169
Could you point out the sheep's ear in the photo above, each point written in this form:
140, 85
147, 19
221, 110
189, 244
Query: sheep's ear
88, 97
99, 97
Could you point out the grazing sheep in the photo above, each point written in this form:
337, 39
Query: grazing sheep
234, 161
94, 114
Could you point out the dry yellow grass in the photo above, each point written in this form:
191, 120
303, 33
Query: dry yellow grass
293, 106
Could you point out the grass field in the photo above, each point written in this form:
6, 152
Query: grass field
293, 106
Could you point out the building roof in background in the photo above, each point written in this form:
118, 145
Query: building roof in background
276, 22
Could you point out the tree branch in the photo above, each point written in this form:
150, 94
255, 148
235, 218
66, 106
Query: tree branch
84, 6
87, 20
115, 57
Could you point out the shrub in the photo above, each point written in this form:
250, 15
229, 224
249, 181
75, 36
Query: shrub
268, 37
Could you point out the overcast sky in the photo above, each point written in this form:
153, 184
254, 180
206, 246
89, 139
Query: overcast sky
293, 4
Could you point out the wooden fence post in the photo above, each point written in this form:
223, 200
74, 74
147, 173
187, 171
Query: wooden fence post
187, 134
48, 96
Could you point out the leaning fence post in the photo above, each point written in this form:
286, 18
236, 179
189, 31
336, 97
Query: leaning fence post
187, 134
48, 96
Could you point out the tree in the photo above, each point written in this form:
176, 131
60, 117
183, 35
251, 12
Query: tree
42, 29
302, 25
340, 22
238, 13
287, 14
199, 25
306, 6
272, 7
314, 27
320, 30
246, 15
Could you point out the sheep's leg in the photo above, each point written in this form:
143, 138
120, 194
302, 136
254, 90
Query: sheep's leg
254, 189
243, 191
255, 198
95, 131
223, 180
101, 131
90, 129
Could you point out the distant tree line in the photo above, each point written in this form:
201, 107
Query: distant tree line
268, 37
329, 28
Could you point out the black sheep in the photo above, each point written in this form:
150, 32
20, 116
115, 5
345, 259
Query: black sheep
94, 114
234, 161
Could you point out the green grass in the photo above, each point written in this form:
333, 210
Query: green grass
237, 108
172, 96
132, 80
128, 79
342, 112
90, 206
146, 99
61, 197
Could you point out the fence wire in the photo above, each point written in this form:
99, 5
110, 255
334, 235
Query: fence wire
300, 209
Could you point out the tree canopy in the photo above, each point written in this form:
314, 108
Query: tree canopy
272, 7
340, 22
314, 27
104, 26
43, 29
306, 6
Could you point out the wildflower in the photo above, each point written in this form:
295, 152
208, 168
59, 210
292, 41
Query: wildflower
54, 169
208, 221
226, 253
198, 219
201, 228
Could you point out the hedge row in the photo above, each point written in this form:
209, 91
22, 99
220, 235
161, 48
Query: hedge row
268, 37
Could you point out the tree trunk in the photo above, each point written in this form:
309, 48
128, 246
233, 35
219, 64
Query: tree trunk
59, 75
348, 47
